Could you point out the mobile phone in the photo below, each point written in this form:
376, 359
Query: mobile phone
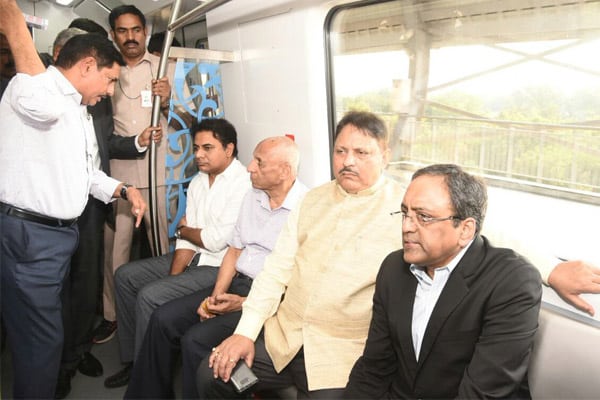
242, 376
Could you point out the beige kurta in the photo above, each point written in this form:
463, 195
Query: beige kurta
328, 256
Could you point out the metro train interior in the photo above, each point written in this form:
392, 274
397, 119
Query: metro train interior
507, 89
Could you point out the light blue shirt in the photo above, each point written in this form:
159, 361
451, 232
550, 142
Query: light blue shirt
427, 295
258, 227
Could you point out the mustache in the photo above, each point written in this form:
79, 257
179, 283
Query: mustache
131, 42
347, 169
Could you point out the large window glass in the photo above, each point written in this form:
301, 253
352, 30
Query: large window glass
509, 89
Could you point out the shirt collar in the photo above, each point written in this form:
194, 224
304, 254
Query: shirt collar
293, 197
229, 173
420, 271
64, 84
365, 192
148, 57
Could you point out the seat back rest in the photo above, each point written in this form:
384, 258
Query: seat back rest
565, 363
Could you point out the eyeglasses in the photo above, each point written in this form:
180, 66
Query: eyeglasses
424, 219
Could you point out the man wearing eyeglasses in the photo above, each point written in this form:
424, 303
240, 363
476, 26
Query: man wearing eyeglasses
453, 316
326, 261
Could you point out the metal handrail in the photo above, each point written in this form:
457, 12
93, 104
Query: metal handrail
175, 23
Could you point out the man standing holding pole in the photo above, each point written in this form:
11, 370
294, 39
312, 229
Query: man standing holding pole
47, 158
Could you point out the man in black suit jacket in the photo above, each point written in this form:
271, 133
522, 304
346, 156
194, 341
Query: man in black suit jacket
453, 316
83, 284
84, 281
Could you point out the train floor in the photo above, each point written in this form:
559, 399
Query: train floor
84, 387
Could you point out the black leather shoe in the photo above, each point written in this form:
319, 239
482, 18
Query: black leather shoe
104, 332
90, 365
63, 385
119, 379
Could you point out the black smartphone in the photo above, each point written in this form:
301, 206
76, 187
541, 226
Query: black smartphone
242, 376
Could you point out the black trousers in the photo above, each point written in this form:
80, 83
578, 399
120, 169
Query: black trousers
269, 381
84, 283
174, 326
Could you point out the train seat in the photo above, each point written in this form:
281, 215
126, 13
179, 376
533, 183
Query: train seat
566, 359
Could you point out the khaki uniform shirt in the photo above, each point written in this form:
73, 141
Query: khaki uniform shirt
131, 119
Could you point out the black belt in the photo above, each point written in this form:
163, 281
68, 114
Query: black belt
34, 217
242, 276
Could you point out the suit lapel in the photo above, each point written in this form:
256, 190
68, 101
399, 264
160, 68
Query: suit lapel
101, 140
406, 293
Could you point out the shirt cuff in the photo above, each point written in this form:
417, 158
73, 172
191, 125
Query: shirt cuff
546, 266
185, 244
139, 148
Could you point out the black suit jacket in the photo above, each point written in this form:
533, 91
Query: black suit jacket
109, 144
478, 340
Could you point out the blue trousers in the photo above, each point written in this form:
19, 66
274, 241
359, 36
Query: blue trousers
34, 260
83, 284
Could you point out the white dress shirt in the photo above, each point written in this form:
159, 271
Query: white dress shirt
214, 209
48, 148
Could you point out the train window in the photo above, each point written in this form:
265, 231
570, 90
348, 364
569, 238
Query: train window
509, 89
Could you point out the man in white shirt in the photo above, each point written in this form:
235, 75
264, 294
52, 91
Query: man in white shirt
214, 199
47, 160
184, 324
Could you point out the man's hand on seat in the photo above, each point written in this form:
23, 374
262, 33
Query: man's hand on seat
571, 278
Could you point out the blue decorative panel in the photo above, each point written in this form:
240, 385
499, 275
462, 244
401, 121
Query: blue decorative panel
196, 90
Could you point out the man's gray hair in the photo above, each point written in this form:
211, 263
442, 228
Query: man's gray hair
468, 193
64, 36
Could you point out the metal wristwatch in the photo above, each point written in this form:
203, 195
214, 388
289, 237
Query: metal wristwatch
123, 192
178, 232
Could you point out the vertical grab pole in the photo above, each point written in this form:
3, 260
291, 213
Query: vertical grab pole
162, 68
